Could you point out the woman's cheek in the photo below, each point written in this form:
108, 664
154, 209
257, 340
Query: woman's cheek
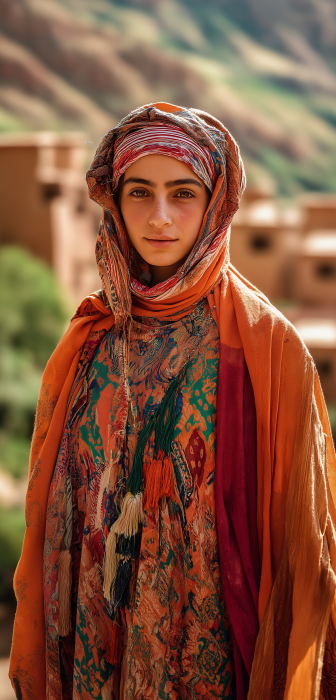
186, 215
135, 215
189, 219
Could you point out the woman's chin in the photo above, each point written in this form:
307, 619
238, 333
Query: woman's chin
162, 260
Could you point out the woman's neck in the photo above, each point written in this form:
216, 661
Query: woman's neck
162, 273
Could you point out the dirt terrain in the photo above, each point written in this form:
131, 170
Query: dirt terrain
266, 69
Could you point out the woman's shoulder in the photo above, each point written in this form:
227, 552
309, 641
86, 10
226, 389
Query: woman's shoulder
93, 304
259, 316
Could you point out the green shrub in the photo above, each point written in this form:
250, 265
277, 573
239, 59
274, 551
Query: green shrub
12, 528
32, 319
32, 310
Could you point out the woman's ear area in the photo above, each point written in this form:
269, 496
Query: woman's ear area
117, 195
209, 195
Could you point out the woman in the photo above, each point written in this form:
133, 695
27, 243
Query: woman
180, 510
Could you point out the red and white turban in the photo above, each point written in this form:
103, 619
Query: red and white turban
164, 140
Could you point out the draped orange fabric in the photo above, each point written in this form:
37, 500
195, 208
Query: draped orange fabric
282, 375
28, 646
296, 465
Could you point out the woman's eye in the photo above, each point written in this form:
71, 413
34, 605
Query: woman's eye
185, 194
139, 193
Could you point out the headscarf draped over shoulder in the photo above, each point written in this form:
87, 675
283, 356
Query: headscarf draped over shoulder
123, 276
292, 594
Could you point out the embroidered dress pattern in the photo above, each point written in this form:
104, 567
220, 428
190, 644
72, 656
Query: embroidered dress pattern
174, 631
275, 476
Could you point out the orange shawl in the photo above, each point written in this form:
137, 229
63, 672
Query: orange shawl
296, 494
296, 469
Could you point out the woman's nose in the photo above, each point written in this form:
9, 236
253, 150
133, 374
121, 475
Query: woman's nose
160, 215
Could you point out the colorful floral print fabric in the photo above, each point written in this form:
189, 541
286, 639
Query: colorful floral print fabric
175, 635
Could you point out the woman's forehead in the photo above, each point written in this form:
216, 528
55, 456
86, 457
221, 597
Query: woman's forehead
160, 168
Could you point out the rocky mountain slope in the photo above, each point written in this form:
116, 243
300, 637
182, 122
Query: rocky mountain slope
266, 69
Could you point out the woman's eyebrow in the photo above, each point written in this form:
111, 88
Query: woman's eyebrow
170, 183
140, 181
185, 181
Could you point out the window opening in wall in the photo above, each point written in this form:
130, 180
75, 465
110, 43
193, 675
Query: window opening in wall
260, 242
326, 270
324, 367
50, 190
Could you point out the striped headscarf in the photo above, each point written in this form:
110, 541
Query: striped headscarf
166, 140
208, 148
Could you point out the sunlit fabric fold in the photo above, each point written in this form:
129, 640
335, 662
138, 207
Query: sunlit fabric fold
164, 140
275, 495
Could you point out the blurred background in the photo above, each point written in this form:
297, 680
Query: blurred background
69, 70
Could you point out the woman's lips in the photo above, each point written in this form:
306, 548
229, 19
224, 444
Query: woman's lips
161, 242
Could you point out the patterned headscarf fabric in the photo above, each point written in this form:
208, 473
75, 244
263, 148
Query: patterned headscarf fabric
296, 466
124, 276
164, 140
174, 132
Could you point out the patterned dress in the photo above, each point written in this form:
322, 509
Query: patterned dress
175, 635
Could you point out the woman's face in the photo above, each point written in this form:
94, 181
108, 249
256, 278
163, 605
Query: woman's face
162, 203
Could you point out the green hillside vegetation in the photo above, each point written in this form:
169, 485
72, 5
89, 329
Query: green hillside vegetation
32, 319
266, 69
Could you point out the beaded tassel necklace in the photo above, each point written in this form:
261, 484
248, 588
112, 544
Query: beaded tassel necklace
124, 539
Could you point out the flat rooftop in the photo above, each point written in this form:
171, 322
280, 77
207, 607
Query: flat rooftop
317, 332
319, 244
42, 139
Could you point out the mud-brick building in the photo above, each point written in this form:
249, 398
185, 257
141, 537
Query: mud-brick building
291, 257
317, 327
315, 281
319, 213
316, 261
263, 240
45, 208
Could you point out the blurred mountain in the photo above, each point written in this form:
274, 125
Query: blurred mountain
264, 68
